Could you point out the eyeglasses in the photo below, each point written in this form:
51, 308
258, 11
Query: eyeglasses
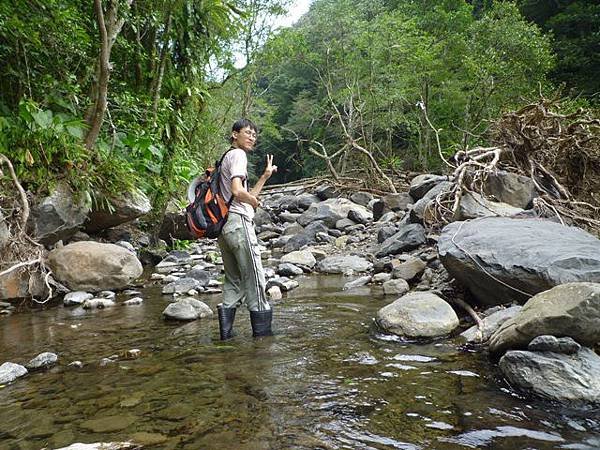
250, 133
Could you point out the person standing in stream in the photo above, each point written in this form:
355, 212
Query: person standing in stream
244, 274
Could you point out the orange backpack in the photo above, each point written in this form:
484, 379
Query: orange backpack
207, 213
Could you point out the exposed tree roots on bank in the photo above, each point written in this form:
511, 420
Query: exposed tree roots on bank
560, 153
21, 252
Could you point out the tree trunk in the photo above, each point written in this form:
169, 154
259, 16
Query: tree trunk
161, 69
109, 28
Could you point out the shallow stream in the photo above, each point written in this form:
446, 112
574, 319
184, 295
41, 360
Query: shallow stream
327, 380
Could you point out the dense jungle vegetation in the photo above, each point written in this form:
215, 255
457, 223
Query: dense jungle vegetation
112, 95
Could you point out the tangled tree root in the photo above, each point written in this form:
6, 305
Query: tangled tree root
560, 153
22, 253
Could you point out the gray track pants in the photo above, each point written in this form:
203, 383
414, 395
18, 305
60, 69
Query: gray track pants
244, 275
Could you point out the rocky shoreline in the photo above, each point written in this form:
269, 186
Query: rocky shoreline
534, 282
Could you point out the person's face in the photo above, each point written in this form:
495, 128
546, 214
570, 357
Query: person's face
244, 139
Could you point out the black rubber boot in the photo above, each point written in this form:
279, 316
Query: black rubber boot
226, 318
261, 322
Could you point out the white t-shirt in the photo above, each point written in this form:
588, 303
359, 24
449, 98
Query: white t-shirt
235, 165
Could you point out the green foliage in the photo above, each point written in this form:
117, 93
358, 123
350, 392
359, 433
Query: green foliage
376, 61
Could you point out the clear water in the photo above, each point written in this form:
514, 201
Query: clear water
327, 380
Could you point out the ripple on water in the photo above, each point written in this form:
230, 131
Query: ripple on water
481, 438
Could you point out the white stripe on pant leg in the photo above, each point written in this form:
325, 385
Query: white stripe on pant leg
262, 303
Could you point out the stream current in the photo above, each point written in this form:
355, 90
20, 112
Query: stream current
328, 379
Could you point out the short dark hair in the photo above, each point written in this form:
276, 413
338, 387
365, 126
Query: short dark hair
243, 123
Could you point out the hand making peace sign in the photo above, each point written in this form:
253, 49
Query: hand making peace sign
270, 169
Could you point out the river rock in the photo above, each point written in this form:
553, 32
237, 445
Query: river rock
289, 217
274, 293
490, 324
418, 314
361, 198
42, 361
92, 266
343, 263
9, 372
395, 287
124, 208
548, 343
330, 211
421, 184
409, 269
304, 201
303, 258
342, 224
283, 283
381, 277
408, 237
292, 228
202, 276
571, 309
360, 216
386, 232
421, 212
262, 217
326, 192
187, 308
567, 378
58, 216
133, 301
507, 187
98, 303
360, 281
532, 255
181, 286
473, 205
306, 237
289, 270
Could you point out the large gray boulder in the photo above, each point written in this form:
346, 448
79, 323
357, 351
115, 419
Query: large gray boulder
343, 264
571, 309
570, 378
124, 208
419, 315
474, 205
514, 189
92, 266
408, 237
330, 211
529, 255
58, 216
